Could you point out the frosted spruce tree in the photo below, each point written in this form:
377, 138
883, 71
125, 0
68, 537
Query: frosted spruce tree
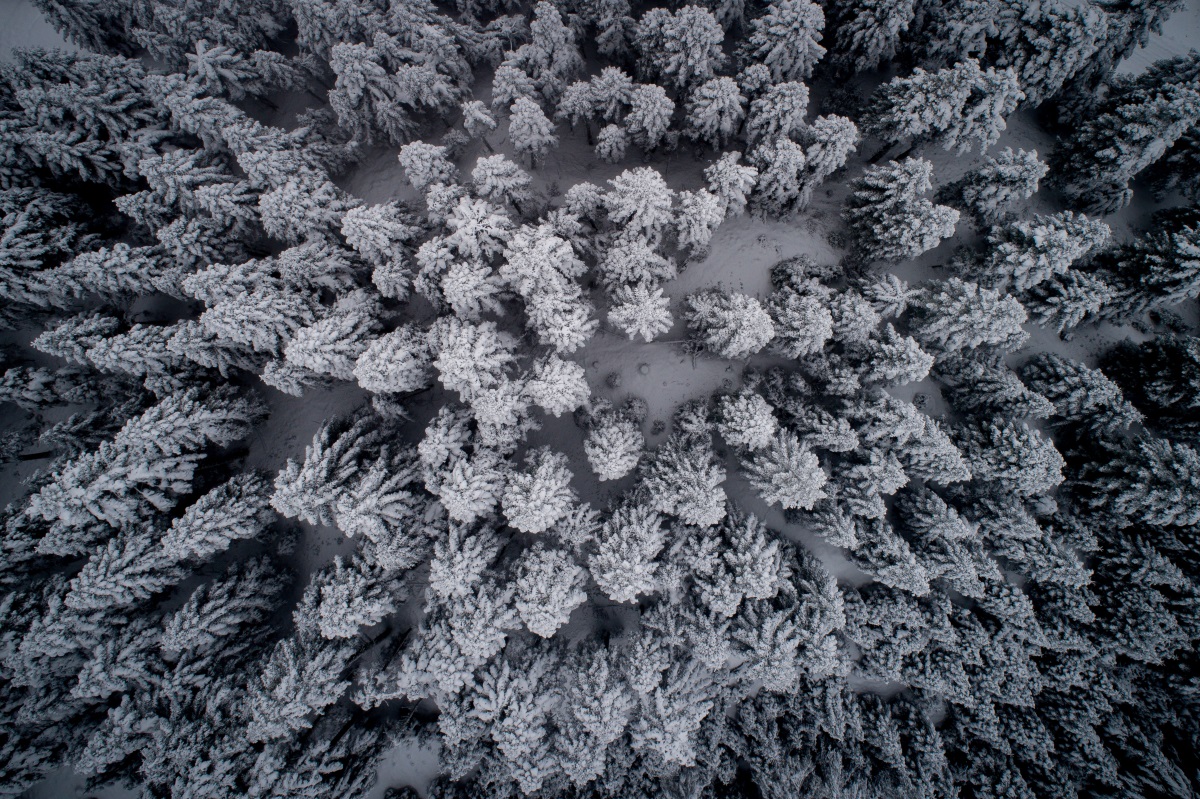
890, 218
787, 39
715, 110
1002, 184
679, 49
729, 325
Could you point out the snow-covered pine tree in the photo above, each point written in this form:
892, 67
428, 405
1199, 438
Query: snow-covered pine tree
988, 388
1162, 268
611, 142
469, 357
781, 110
954, 315
785, 472
530, 131
681, 48
828, 142
730, 325
331, 345
893, 359
1081, 396
477, 119
235, 510
682, 479
1026, 252
371, 102
803, 322
310, 490
781, 167
397, 363
623, 564
731, 182
959, 104
557, 386
867, 32
499, 180
888, 215
700, 214
649, 117
264, 319
1012, 455
1135, 124
548, 587
534, 500
1068, 300
1151, 482
614, 443
715, 110
1002, 183
787, 39
426, 164
746, 420
639, 204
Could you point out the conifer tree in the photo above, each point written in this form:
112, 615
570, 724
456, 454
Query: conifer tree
682, 479
557, 386
1005, 180
1080, 395
548, 589
782, 168
715, 110
623, 564
1027, 252
611, 142
988, 388
536, 499
731, 182
1012, 454
530, 131
730, 325
787, 39
614, 444
370, 101
1132, 128
888, 215
649, 117
786, 473
867, 32
955, 315
639, 202
681, 48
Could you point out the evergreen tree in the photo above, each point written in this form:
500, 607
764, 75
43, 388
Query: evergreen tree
535, 500
1162, 267
803, 323
888, 215
828, 144
746, 420
786, 473
780, 111
681, 48
426, 164
700, 214
782, 168
611, 142
398, 362
1150, 483
640, 311
370, 101
1027, 252
1080, 395
639, 203
557, 386
614, 444
955, 315
988, 388
623, 564
530, 131
548, 589
715, 110
729, 325
787, 39
1014, 455
649, 117
731, 182
1132, 128
867, 32
1005, 180
682, 479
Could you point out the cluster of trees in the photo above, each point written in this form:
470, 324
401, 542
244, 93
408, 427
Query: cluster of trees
1018, 614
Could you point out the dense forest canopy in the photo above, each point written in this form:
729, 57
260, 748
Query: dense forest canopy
383, 376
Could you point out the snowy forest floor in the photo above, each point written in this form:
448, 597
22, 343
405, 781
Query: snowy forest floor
661, 373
